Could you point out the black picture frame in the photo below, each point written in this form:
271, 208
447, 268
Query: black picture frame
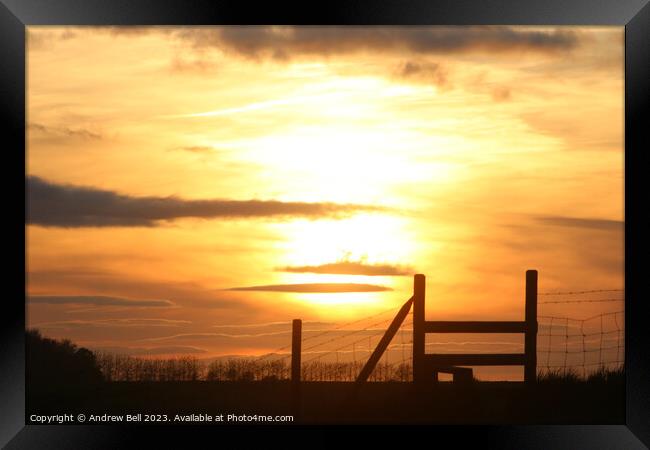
15, 15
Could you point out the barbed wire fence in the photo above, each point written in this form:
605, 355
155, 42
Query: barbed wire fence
341, 357
565, 343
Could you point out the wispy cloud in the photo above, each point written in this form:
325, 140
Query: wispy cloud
598, 224
351, 268
315, 288
208, 336
137, 351
125, 286
230, 337
63, 132
269, 325
95, 300
58, 205
196, 149
111, 323
257, 106
433, 73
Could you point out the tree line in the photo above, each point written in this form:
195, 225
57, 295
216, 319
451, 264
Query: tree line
52, 364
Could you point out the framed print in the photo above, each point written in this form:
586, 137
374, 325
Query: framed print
360, 213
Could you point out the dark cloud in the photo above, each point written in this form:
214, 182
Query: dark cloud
409, 68
95, 300
63, 132
426, 72
315, 288
285, 42
351, 268
136, 30
598, 224
57, 205
40, 39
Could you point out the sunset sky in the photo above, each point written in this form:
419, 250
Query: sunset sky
192, 190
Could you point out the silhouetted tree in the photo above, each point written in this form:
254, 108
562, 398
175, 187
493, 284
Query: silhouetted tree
53, 364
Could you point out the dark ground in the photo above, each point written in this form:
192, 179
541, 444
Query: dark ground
327, 402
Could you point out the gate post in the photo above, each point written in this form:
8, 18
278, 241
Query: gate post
530, 369
296, 341
419, 369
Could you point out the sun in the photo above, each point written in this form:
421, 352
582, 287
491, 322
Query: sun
369, 237
365, 238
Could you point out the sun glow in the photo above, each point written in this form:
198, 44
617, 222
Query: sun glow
467, 165
373, 238
342, 163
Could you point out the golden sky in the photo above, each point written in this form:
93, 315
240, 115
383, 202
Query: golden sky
186, 184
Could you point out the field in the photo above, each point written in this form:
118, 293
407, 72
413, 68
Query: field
329, 402
65, 379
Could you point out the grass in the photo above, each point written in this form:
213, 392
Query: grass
569, 376
129, 368
603, 375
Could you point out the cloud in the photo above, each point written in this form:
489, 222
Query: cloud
501, 94
95, 300
117, 284
572, 253
597, 224
283, 43
315, 288
280, 336
40, 38
425, 72
597, 244
198, 66
272, 325
57, 205
197, 149
273, 329
135, 351
211, 336
110, 323
351, 268
63, 132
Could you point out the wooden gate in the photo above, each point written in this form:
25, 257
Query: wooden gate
426, 366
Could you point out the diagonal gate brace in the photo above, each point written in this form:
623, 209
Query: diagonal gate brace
385, 340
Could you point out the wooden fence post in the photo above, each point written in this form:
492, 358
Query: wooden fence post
419, 369
296, 341
530, 368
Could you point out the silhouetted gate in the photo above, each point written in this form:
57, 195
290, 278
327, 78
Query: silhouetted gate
427, 366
